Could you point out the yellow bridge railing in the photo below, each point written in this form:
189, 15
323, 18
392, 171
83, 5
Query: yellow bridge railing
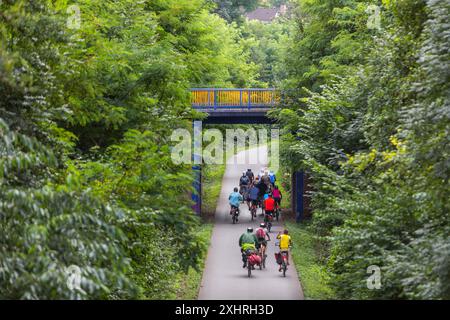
206, 98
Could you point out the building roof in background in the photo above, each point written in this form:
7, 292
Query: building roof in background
267, 14
263, 14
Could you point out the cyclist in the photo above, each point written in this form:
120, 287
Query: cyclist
260, 174
247, 242
235, 200
243, 184
265, 178
262, 189
250, 175
285, 243
261, 234
277, 196
253, 196
244, 180
272, 178
269, 207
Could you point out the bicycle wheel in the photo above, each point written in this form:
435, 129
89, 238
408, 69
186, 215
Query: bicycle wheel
284, 269
249, 268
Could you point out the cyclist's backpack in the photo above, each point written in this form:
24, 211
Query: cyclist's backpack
254, 259
260, 234
272, 178
244, 180
276, 193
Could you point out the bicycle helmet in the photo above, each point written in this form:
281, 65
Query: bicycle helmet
262, 225
249, 229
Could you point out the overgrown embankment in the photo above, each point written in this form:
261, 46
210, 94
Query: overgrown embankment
188, 284
307, 253
211, 186
365, 112
85, 136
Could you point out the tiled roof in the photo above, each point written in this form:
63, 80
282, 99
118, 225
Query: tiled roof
263, 14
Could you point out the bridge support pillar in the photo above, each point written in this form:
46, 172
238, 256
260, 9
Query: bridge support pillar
197, 167
300, 203
197, 194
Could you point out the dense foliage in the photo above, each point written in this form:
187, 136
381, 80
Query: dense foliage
368, 117
48, 227
234, 10
95, 187
90, 92
264, 43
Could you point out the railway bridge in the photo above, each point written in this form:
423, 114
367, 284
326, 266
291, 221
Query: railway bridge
242, 106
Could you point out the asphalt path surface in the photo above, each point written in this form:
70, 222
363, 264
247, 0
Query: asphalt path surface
224, 278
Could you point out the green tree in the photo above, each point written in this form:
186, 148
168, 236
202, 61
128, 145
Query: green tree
369, 135
106, 96
48, 227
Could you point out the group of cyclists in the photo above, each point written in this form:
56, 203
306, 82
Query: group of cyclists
259, 192
256, 243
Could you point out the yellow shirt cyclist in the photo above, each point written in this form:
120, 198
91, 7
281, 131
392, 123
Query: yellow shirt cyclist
285, 243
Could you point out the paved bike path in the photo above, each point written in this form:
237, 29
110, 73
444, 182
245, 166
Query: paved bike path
223, 277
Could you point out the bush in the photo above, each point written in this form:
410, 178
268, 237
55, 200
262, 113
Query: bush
45, 229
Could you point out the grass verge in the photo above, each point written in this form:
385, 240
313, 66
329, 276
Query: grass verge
211, 186
313, 275
188, 284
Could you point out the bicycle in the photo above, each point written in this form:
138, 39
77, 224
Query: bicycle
253, 210
283, 262
262, 254
282, 259
262, 207
277, 211
268, 220
234, 212
243, 191
252, 262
